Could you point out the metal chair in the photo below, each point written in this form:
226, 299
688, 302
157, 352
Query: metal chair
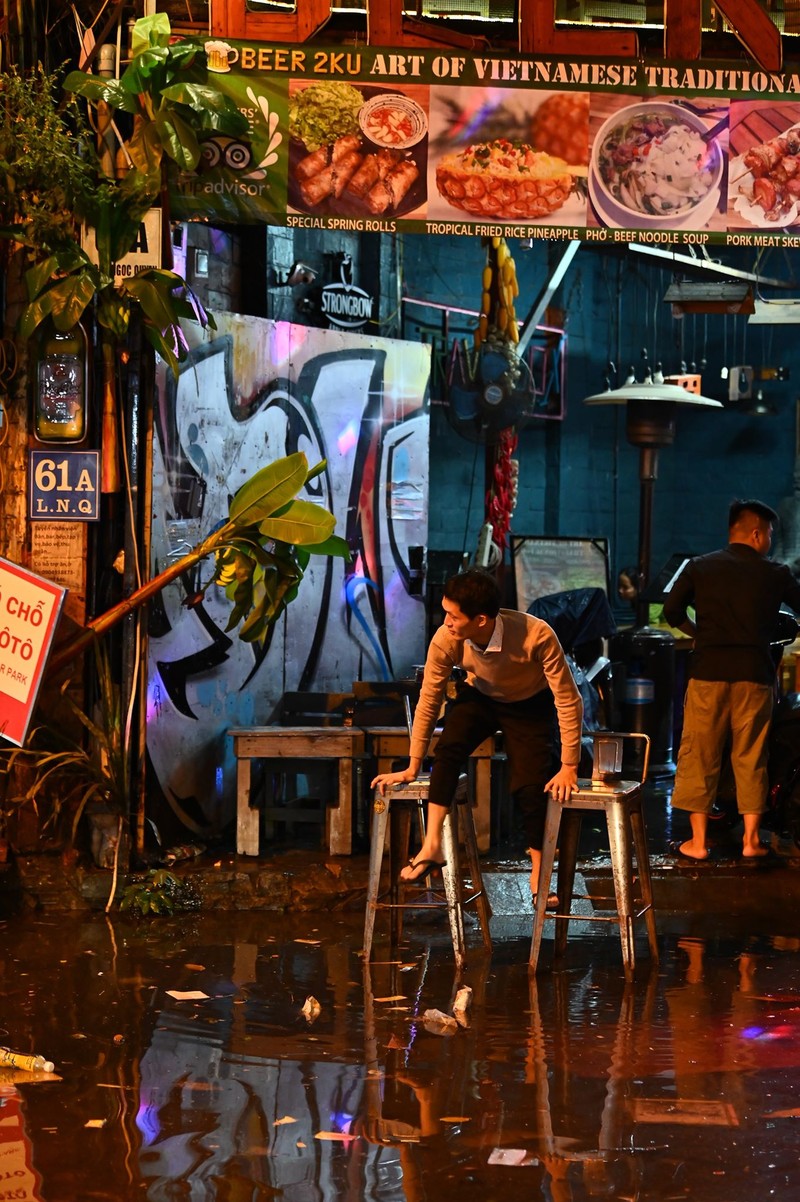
393, 814
621, 802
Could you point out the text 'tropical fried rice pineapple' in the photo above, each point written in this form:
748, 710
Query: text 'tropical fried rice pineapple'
500, 179
560, 126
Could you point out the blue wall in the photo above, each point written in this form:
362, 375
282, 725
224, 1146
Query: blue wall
580, 476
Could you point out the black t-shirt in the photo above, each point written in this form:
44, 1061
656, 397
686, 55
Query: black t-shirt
736, 595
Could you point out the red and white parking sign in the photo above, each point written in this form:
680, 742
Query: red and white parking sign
29, 610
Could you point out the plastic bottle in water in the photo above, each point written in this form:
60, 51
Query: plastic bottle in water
29, 1064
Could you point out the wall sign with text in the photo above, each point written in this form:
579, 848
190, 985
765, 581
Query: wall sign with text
461, 142
64, 486
29, 610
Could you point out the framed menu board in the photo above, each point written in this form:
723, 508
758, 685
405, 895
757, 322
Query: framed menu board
543, 566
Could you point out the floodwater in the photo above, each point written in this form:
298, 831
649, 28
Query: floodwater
185, 1067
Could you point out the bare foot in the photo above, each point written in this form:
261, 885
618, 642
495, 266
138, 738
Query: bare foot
691, 852
751, 851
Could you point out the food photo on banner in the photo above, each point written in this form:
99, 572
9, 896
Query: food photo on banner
357, 151
509, 155
658, 163
375, 139
764, 172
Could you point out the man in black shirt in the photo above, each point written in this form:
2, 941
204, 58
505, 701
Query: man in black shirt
736, 594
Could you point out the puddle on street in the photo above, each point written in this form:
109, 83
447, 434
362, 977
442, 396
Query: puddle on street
567, 1087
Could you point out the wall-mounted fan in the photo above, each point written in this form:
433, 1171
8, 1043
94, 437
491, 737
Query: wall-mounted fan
488, 390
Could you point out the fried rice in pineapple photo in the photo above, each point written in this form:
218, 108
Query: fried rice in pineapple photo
508, 155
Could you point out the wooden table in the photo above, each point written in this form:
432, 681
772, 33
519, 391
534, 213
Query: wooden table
388, 743
341, 743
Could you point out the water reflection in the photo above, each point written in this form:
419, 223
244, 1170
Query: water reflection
564, 1087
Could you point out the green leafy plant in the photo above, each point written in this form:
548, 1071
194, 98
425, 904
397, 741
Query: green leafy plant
260, 555
163, 94
159, 892
48, 166
72, 759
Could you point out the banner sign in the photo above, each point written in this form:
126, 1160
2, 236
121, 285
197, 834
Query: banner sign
456, 142
29, 610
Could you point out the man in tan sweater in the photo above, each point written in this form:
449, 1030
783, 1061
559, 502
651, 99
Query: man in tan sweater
517, 681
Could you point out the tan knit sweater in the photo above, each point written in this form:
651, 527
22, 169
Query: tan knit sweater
530, 659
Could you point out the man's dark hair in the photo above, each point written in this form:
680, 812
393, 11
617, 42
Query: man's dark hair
765, 512
474, 592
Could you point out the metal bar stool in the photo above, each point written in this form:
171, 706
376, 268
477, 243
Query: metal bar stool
393, 813
621, 802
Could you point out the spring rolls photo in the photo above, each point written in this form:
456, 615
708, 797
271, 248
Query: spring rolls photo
345, 146
388, 193
312, 164
318, 187
374, 167
343, 171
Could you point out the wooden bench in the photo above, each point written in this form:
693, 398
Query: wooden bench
344, 744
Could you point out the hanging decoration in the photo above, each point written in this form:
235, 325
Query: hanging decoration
501, 497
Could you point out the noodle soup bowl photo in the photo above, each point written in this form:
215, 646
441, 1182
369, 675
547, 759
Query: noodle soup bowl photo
653, 166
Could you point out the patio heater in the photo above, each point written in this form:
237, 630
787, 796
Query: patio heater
647, 653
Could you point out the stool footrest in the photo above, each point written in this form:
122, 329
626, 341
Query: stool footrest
393, 814
621, 803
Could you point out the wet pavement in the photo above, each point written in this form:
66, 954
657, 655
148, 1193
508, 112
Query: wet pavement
186, 1068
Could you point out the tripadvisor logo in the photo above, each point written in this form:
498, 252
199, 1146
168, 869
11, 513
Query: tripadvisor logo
345, 305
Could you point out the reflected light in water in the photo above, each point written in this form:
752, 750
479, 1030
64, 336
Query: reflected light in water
148, 1124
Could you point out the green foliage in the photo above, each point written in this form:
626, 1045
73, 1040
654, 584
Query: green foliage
264, 547
164, 91
47, 162
71, 759
159, 892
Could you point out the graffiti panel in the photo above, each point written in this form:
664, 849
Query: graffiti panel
252, 392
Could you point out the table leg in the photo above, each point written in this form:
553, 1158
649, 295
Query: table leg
339, 818
247, 816
482, 813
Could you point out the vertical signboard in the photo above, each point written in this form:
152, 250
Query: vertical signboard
29, 611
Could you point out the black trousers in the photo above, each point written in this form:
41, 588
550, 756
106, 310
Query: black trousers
528, 728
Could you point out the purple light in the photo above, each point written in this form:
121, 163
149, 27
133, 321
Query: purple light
286, 340
348, 438
148, 1124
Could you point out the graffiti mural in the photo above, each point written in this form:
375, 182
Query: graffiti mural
252, 392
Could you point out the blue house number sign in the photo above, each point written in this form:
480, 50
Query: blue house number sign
65, 486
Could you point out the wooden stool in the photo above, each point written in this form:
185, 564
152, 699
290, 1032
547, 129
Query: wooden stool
621, 802
403, 803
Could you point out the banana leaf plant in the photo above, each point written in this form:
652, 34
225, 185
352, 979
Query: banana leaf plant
261, 552
164, 96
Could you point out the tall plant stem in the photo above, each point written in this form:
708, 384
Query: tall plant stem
99, 625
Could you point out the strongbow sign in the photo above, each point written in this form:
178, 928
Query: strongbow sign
346, 306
